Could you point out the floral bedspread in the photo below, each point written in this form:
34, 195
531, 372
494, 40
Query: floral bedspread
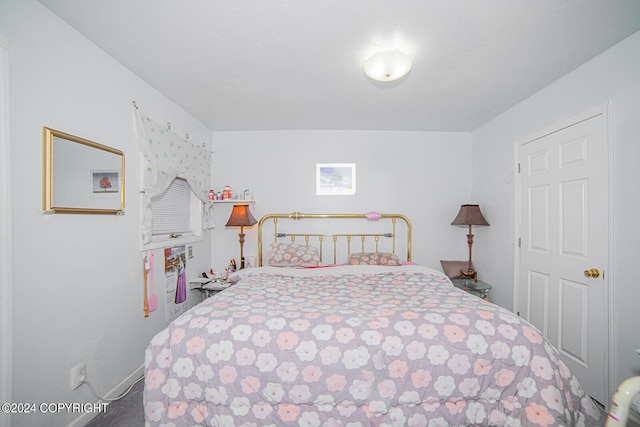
356, 346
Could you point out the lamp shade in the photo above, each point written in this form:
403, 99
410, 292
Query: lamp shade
387, 65
241, 217
469, 215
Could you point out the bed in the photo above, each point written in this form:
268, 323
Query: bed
374, 341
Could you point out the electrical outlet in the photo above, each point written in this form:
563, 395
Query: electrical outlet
78, 375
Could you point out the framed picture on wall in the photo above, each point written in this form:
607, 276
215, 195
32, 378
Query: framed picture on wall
335, 179
105, 181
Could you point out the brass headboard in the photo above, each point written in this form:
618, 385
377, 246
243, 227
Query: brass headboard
335, 236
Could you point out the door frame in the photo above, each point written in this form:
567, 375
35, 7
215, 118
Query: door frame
6, 315
604, 110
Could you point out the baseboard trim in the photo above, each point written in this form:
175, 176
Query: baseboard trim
123, 385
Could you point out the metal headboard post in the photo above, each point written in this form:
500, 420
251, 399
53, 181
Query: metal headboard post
299, 216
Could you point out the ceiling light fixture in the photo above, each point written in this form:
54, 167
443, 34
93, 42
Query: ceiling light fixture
388, 65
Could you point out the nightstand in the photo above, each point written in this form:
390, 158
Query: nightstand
209, 287
478, 288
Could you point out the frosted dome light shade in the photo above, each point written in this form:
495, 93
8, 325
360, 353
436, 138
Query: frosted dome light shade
388, 65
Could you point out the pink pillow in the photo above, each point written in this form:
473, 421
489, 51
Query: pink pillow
374, 258
293, 255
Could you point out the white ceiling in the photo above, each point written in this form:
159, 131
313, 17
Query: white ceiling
287, 64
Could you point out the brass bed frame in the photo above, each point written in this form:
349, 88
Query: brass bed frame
296, 216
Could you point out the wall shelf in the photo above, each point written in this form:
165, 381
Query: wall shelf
235, 201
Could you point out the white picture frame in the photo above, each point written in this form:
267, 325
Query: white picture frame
335, 179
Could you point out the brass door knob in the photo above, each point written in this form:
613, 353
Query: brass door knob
594, 272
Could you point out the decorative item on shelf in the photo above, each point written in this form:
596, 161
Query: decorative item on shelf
226, 194
470, 215
241, 217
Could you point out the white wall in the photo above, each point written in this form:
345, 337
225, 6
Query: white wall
423, 175
612, 77
77, 279
5, 234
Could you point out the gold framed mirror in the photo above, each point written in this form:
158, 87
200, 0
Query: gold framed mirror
81, 176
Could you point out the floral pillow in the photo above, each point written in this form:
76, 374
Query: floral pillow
293, 255
374, 258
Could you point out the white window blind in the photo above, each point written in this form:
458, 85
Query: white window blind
171, 209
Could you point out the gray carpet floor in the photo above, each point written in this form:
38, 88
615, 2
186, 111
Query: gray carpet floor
126, 412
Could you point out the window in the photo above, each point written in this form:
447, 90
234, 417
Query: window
167, 155
171, 209
177, 215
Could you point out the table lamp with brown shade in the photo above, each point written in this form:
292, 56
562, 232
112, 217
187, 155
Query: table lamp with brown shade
470, 215
241, 217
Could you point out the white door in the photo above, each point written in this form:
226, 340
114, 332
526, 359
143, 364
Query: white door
563, 218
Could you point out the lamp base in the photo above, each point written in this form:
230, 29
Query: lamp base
471, 274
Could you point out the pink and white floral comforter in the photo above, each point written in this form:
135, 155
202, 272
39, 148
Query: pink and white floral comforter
356, 346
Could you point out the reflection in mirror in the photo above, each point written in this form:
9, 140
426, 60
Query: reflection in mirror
81, 176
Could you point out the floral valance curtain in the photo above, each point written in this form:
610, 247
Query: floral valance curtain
168, 156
